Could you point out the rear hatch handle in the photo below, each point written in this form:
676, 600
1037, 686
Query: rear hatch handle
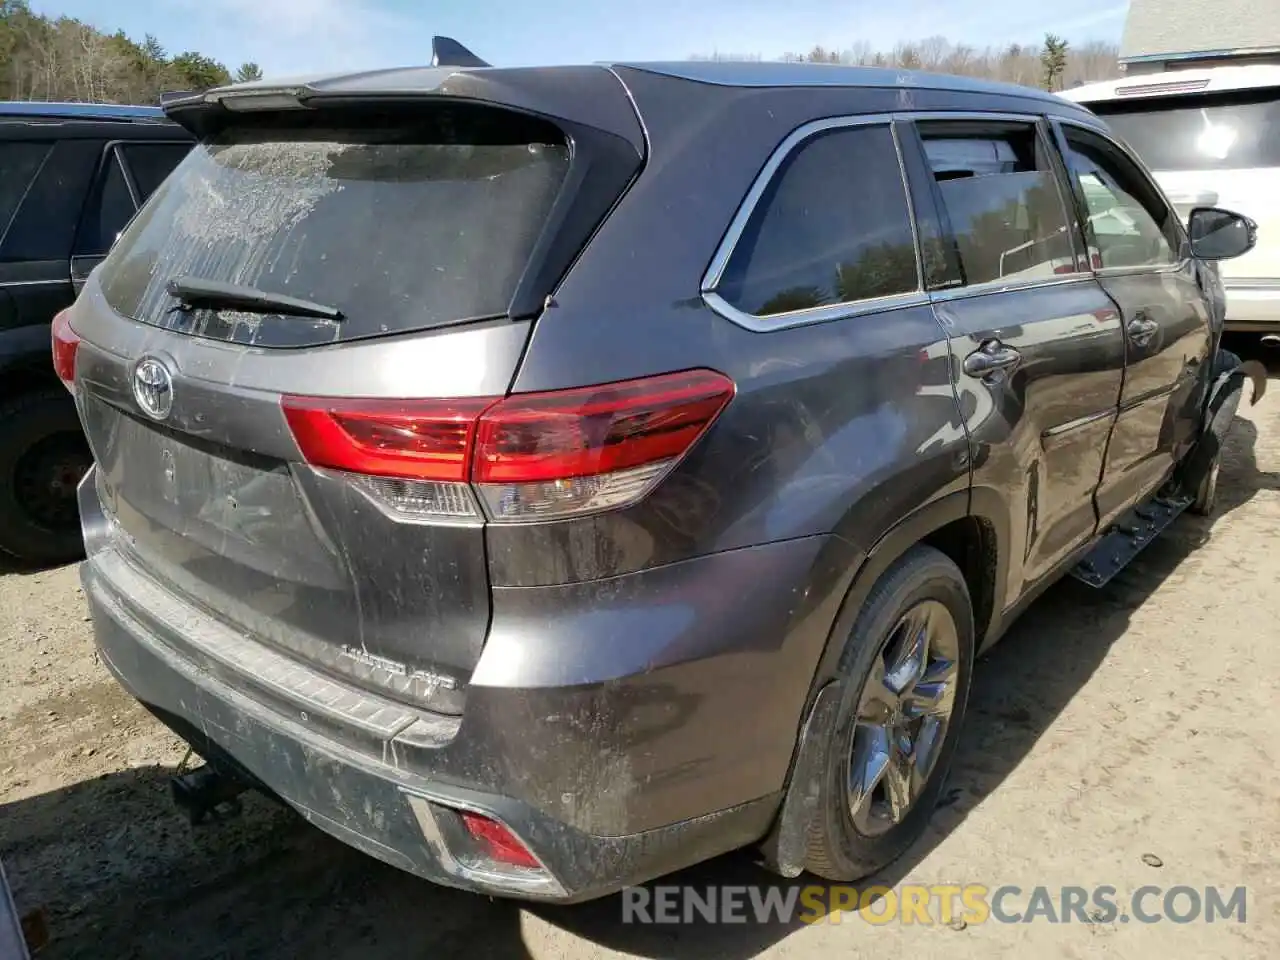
193, 293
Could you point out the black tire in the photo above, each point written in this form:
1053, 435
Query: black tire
838, 849
43, 454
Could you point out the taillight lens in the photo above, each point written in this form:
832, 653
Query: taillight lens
409, 439
65, 344
550, 455
530, 456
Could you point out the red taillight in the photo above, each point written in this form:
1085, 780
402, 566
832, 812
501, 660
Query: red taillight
531, 456
407, 439
65, 344
579, 433
496, 843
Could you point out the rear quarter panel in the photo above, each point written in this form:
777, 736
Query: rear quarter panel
837, 432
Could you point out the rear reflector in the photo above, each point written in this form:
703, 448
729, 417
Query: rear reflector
65, 343
530, 456
496, 843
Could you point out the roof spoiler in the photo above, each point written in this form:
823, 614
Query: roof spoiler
447, 52
172, 96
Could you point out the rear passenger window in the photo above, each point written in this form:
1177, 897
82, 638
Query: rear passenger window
150, 163
832, 227
109, 209
1002, 199
19, 163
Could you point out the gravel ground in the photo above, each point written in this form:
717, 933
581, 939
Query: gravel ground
1128, 736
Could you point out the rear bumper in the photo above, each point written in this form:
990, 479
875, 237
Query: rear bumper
1253, 308
608, 779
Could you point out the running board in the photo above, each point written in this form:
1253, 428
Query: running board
1125, 540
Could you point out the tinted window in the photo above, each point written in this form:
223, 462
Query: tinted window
150, 163
402, 224
1002, 199
1206, 132
1128, 225
108, 211
18, 164
832, 227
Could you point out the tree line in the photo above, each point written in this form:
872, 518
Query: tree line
1053, 65
61, 58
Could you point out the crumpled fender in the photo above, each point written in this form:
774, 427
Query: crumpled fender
1224, 395
1227, 388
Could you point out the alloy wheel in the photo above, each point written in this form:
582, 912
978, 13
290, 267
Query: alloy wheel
903, 712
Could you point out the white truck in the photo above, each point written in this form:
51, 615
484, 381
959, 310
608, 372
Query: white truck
1211, 137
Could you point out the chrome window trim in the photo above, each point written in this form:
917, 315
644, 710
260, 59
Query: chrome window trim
1003, 286
872, 305
832, 311
822, 314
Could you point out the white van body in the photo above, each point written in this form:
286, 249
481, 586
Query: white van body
1211, 137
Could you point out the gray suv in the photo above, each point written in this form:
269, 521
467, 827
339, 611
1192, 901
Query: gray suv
544, 479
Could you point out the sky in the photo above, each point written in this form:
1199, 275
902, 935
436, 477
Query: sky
303, 36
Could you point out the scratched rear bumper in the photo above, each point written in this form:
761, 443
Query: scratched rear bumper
607, 778
370, 804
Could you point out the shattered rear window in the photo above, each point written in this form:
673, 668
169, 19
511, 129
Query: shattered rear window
401, 226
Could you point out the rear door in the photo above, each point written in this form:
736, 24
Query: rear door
43, 182
1141, 259
1036, 345
417, 225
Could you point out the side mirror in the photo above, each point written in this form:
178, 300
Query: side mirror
1220, 234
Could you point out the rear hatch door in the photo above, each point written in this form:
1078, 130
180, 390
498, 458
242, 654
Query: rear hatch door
420, 228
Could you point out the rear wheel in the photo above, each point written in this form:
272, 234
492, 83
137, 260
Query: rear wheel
905, 673
43, 456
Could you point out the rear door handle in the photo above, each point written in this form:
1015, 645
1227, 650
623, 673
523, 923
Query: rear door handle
991, 360
1141, 330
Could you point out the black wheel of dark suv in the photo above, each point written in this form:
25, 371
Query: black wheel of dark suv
906, 670
43, 456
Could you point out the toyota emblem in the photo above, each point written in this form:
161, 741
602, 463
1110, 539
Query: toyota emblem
153, 388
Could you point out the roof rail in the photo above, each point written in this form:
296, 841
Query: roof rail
79, 111
447, 52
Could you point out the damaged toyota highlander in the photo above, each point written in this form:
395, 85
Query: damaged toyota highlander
547, 478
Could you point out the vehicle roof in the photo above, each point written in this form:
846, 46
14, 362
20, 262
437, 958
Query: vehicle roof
1174, 83
79, 111
718, 73
788, 74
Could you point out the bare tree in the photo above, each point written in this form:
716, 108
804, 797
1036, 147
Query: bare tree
1015, 63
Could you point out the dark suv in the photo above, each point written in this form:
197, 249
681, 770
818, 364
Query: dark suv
547, 478
71, 177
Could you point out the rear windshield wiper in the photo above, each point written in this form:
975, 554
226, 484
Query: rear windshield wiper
194, 293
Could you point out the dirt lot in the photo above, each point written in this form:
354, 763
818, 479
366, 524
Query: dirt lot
1139, 720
